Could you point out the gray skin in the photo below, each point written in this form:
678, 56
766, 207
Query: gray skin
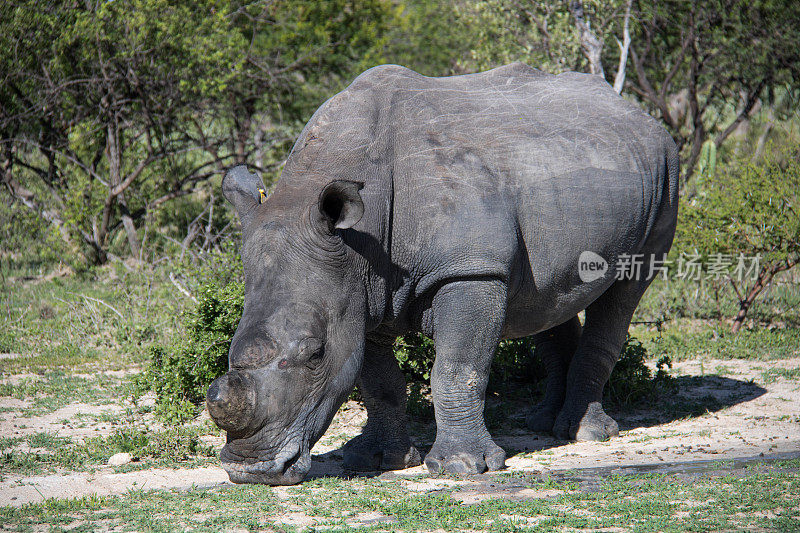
457, 207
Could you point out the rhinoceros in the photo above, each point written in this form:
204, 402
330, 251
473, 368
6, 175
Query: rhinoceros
460, 207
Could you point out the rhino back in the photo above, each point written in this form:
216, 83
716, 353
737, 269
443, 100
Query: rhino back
510, 173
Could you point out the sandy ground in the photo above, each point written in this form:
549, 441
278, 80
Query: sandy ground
748, 415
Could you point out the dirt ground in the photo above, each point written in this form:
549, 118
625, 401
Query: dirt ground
749, 413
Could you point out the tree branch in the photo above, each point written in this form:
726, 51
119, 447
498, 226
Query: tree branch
592, 46
649, 92
752, 98
619, 78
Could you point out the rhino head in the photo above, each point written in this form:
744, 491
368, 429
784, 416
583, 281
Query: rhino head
300, 342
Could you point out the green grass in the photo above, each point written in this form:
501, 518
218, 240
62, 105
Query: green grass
100, 319
676, 299
171, 447
686, 339
64, 356
762, 498
57, 389
771, 375
691, 320
9, 442
84, 419
47, 440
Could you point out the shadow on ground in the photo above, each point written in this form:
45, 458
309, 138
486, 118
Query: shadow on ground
689, 397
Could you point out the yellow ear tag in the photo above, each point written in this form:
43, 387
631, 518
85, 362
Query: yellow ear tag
263, 194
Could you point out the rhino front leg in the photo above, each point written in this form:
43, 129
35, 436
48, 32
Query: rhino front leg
607, 319
384, 443
556, 346
467, 320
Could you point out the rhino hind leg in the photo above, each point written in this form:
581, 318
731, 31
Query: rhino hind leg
467, 317
582, 417
555, 346
384, 443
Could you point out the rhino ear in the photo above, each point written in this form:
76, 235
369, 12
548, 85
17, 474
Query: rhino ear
244, 190
340, 203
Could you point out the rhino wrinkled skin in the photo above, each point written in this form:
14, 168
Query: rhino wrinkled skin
457, 207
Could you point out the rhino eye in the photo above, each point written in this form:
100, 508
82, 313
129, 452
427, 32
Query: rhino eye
316, 357
312, 352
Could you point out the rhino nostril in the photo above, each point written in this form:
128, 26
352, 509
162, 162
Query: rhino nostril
231, 401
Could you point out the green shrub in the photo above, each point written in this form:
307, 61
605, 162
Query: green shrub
414, 354
181, 372
513, 361
750, 209
632, 380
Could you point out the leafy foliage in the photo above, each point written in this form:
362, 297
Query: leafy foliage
180, 373
95, 102
541, 34
430, 37
108, 111
415, 355
515, 363
750, 208
703, 69
632, 380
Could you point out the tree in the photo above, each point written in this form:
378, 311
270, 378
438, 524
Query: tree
554, 36
110, 110
297, 54
94, 99
750, 210
429, 37
704, 68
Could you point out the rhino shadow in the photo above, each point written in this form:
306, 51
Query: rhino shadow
692, 396
689, 397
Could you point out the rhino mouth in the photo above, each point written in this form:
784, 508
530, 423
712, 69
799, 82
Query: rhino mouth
288, 467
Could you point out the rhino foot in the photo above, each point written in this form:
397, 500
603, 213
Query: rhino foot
593, 424
542, 417
366, 453
465, 457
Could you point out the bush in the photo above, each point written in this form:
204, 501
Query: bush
180, 373
414, 354
632, 380
514, 362
748, 210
